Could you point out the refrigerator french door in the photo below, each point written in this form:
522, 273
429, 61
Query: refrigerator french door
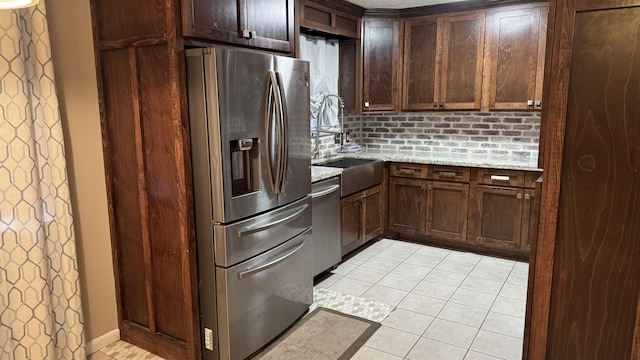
248, 115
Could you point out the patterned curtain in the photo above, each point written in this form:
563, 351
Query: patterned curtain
40, 309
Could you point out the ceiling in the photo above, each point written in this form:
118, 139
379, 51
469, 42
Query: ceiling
398, 4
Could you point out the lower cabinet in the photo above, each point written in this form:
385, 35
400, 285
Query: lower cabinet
504, 210
495, 219
433, 208
494, 209
361, 216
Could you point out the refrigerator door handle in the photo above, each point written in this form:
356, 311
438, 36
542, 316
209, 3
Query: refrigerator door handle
272, 109
284, 120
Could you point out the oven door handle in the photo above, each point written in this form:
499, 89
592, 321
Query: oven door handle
270, 264
252, 230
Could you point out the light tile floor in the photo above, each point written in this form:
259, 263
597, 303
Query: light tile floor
450, 305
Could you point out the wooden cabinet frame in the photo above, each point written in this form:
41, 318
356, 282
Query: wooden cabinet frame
534, 67
391, 68
361, 217
438, 75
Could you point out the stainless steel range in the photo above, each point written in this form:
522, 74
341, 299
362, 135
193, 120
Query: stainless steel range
249, 119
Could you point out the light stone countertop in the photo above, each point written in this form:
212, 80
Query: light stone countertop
322, 172
431, 158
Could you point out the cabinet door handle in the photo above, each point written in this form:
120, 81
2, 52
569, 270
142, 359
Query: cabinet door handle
366, 104
529, 102
246, 34
447, 174
538, 103
436, 104
441, 104
519, 196
500, 177
527, 196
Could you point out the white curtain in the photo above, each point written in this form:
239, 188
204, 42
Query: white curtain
40, 309
323, 56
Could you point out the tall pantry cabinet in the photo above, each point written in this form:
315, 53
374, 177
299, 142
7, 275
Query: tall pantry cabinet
586, 288
140, 64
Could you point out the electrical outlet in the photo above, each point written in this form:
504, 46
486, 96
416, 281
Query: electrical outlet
208, 339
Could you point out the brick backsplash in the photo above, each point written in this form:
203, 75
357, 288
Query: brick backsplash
328, 147
499, 133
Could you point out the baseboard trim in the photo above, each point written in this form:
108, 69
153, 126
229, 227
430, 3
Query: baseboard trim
98, 343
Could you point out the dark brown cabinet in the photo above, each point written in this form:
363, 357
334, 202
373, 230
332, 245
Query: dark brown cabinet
443, 60
491, 209
407, 205
447, 210
361, 217
503, 211
381, 63
515, 58
266, 24
426, 207
496, 217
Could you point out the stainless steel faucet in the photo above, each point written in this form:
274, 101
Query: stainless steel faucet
340, 134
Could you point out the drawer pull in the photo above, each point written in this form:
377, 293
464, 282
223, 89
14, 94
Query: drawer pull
406, 171
500, 177
447, 174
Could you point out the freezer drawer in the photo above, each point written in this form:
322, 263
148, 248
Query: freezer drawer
245, 239
261, 297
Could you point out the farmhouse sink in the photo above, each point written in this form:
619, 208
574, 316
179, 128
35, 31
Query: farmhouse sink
358, 174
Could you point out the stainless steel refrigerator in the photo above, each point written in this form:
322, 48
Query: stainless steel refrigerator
249, 123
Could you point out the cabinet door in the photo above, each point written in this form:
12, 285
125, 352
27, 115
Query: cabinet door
270, 23
447, 210
514, 52
215, 20
421, 64
266, 24
351, 218
372, 215
462, 57
407, 205
381, 56
495, 217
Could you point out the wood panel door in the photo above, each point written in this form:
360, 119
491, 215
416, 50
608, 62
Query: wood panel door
372, 216
587, 272
421, 63
447, 210
462, 59
516, 45
495, 217
351, 219
407, 205
381, 59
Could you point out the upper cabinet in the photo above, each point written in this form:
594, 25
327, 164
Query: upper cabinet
381, 65
515, 58
443, 62
265, 24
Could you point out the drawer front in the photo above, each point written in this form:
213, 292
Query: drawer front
501, 177
530, 178
261, 297
449, 173
416, 171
